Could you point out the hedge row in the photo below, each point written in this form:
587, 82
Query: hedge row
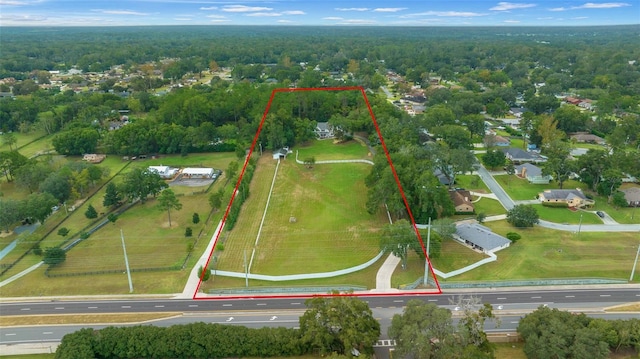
242, 195
556, 204
196, 340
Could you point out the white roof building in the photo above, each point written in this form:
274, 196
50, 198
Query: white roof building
202, 172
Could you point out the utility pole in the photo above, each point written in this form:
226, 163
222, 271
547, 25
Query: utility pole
426, 261
126, 262
633, 271
580, 224
246, 270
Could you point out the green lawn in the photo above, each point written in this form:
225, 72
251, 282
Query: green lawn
521, 189
22, 139
471, 183
328, 150
489, 207
328, 203
564, 215
543, 253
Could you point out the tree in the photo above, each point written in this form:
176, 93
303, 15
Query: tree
188, 232
215, 199
76, 141
481, 217
140, 183
9, 139
112, 217
10, 213
39, 206
232, 170
618, 200
91, 212
168, 201
522, 215
54, 256
31, 175
207, 274
339, 324
63, 231
56, 184
196, 218
112, 197
510, 169
494, 158
398, 238
10, 162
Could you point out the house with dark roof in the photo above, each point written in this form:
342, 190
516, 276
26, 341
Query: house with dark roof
584, 137
480, 238
532, 173
572, 197
497, 140
632, 195
323, 130
462, 201
517, 155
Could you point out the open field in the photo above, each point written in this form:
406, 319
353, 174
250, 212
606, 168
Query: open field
543, 253
328, 203
328, 150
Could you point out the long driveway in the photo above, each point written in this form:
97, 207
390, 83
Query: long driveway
508, 203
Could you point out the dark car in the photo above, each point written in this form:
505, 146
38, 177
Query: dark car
600, 214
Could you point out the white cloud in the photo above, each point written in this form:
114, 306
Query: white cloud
243, 8
447, 14
216, 16
511, 21
333, 18
265, 14
545, 18
579, 18
121, 12
389, 9
219, 21
506, 6
590, 5
294, 12
352, 9
606, 5
19, 3
209, 8
283, 21
183, 19
23, 18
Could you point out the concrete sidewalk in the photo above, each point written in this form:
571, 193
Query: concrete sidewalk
383, 278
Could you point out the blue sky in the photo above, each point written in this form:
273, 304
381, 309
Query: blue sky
318, 12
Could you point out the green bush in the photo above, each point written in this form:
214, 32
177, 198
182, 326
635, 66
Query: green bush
513, 236
188, 232
556, 204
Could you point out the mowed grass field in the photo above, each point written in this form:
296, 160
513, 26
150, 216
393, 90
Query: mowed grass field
332, 229
324, 150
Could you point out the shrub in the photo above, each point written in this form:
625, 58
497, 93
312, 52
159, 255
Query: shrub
188, 232
220, 247
556, 204
36, 249
513, 236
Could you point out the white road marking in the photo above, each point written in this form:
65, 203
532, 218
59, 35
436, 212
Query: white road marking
47, 333
9, 334
227, 305
261, 304
501, 298
432, 300
516, 322
159, 306
398, 301
193, 305
92, 307
273, 318
297, 303
569, 296
536, 297
59, 308
126, 307
25, 309
230, 319
605, 295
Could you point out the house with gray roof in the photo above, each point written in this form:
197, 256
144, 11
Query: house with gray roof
572, 197
323, 130
532, 173
632, 195
480, 238
517, 155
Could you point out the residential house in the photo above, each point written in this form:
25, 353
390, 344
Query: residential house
93, 158
572, 197
197, 172
632, 195
462, 201
281, 153
480, 238
323, 130
444, 180
517, 155
532, 173
497, 140
165, 172
585, 137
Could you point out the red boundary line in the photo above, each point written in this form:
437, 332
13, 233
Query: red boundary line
395, 175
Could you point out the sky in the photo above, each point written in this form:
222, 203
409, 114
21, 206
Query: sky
317, 12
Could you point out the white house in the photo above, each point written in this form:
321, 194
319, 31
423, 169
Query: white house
163, 171
324, 130
197, 172
532, 173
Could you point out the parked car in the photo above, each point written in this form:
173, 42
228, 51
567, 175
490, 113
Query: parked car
600, 214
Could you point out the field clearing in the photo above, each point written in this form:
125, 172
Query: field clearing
324, 150
328, 203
